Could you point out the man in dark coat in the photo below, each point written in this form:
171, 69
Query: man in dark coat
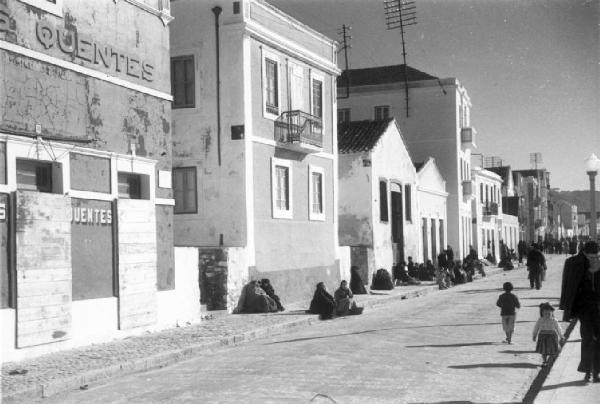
536, 265
522, 250
580, 298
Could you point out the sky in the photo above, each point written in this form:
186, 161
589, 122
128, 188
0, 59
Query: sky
530, 67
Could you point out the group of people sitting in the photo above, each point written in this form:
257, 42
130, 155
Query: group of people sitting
340, 304
412, 273
258, 297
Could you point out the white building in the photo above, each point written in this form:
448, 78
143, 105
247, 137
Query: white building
487, 211
435, 123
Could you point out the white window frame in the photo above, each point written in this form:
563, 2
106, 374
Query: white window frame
320, 78
314, 215
282, 213
52, 8
382, 108
275, 58
296, 76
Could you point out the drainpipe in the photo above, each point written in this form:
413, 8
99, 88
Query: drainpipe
217, 11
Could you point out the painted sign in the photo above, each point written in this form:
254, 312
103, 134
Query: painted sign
91, 216
85, 48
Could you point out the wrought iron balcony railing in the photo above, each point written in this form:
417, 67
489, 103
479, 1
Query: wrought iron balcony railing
299, 129
490, 209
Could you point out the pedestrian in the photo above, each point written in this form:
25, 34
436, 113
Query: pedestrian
357, 286
536, 265
580, 299
522, 250
322, 303
450, 255
508, 304
548, 333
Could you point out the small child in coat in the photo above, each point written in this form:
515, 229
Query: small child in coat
508, 304
548, 333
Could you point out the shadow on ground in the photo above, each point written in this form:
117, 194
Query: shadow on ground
518, 365
451, 345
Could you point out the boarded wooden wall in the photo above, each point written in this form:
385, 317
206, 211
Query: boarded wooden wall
137, 263
43, 268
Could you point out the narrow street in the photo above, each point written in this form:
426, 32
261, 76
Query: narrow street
444, 347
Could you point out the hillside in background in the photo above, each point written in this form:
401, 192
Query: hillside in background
579, 198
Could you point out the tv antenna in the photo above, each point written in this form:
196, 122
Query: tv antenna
400, 14
535, 159
346, 37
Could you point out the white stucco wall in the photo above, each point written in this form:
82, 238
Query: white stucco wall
432, 205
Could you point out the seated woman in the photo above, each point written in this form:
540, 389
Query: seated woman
344, 301
265, 284
382, 280
356, 283
254, 299
322, 303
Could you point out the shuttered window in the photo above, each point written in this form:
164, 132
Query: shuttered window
183, 82
185, 190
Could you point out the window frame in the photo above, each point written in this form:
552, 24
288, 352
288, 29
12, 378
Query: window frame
316, 216
277, 212
381, 108
316, 77
269, 56
183, 58
175, 170
408, 211
53, 172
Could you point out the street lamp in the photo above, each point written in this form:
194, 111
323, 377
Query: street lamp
592, 164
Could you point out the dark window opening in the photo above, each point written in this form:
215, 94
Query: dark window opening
34, 175
184, 188
383, 201
183, 82
130, 186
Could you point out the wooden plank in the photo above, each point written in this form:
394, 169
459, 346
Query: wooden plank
41, 288
48, 311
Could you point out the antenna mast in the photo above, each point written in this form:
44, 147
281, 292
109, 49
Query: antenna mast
346, 37
401, 14
535, 159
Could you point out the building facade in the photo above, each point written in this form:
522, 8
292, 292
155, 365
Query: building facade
432, 208
85, 172
436, 122
255, 166
536, 188
378, 217
487, 211
511, 203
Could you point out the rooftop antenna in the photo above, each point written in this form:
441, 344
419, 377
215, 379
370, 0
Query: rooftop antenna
346, 37
401, 14
535, 159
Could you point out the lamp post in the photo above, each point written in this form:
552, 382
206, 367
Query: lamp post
591, 167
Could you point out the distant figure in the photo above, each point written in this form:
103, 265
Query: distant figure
450, 255
580, 298
508, 304
356, 283
344, 300
382, 280
442, 259
573, 247
412, 268
473, 254
548, 333
254, 299
322, 303
536, 265
429, 271
522, 250
265, 284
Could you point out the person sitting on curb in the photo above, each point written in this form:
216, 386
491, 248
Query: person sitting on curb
254, 299
382, 280
265, 284
344, 300
322, 303
356, 283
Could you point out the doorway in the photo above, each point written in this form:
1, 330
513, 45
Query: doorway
397, 224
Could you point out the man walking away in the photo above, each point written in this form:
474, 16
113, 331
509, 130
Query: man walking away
580, 298
536, 265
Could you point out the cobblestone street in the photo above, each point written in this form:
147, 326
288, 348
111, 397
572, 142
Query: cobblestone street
443, 347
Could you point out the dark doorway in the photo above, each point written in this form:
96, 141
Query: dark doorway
397, 226
425, 239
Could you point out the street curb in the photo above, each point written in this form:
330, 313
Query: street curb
171, 357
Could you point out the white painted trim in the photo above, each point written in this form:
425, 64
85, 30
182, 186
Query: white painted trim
291, 48
312, 215
162, 12
100, 196
321, 78
432, 191
269, 142
83, 70
280, 213
266, 54
248, 94
56, 9
164, 201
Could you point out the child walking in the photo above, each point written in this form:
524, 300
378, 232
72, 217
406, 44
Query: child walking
508, 304
548, 333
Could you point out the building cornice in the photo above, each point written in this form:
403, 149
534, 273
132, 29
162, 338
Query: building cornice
163, 12
432, 191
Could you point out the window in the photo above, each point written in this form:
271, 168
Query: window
297, 87
182, 82
344, 115
281, 174
317, 97
34, 175
184, 189
382, 112
316, 202
407, 202
271, 86
383, 201
481, 192
130, 186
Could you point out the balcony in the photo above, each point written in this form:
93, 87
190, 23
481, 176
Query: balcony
468, 189
490, 209
299, 131
467, 138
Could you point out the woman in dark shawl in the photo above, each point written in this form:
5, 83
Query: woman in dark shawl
254, 299
265, 284
356, 283
344, 300
322, 303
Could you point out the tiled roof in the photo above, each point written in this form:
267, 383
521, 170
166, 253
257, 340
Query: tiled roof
359, 136
381, 75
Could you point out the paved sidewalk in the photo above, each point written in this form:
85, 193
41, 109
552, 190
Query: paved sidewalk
564, 384
66, 370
